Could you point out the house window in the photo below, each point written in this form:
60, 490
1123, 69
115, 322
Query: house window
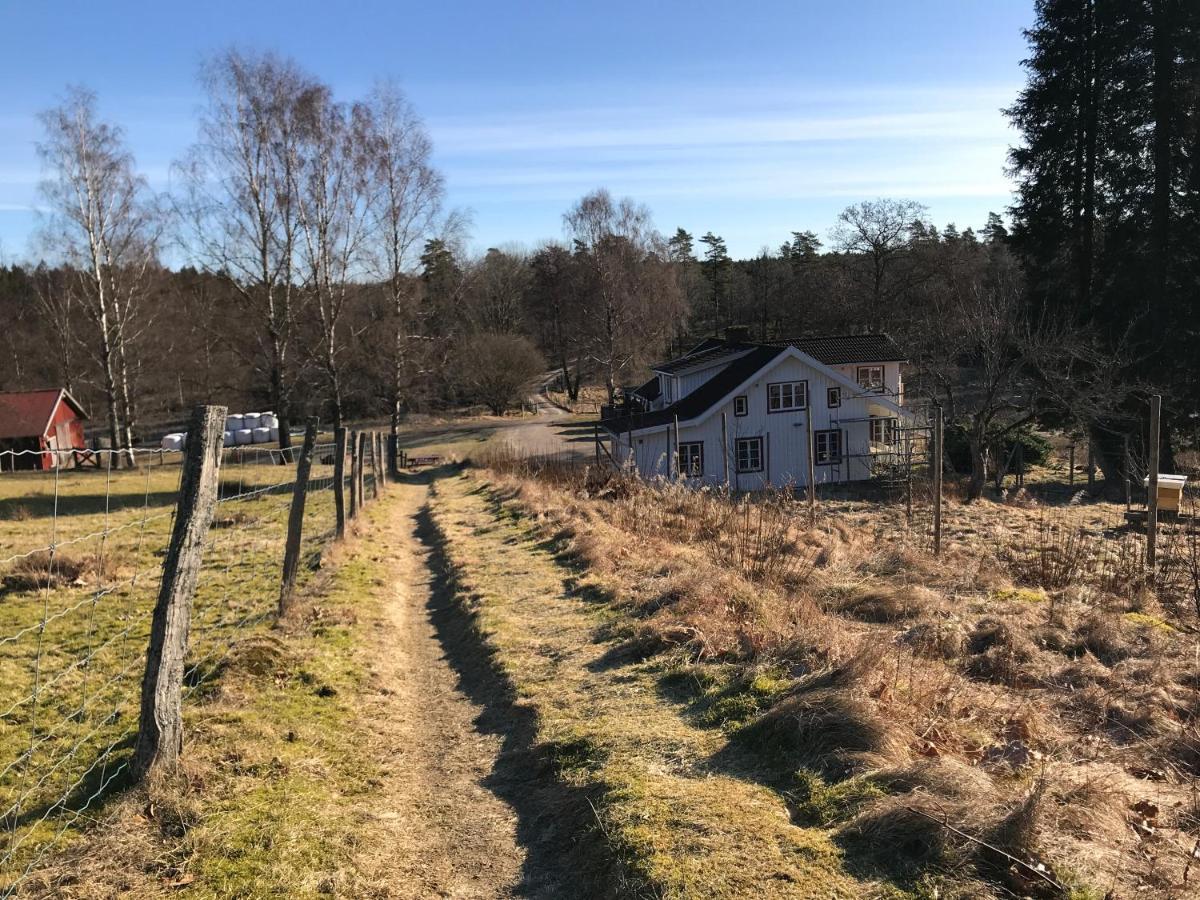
749, 453
828, 446
690, 461
883, 430
870, 378
669, 388
833, 397
787, 395
740, 405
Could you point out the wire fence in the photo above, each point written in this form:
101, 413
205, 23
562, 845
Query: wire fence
81, 564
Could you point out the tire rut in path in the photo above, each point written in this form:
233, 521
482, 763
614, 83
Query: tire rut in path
466, 809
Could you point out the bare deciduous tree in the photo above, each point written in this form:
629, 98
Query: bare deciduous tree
879, 232
636, 301
333, 206
105, 227
241, 204
408, 201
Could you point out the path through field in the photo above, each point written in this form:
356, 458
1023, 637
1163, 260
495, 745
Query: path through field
458, 774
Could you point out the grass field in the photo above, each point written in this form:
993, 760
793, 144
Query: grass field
81, 554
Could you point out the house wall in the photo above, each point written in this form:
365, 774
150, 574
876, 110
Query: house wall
785, 441
64, 434
891, 377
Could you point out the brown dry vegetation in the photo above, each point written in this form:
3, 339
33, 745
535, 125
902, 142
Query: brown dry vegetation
1016, 716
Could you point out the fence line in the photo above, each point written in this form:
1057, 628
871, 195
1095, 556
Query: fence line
75, 615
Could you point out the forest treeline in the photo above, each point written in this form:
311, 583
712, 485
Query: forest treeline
322, 274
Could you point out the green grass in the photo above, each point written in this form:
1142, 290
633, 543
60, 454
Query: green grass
72, 649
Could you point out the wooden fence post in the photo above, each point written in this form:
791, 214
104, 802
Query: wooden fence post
160, 727
354, 450
1071, 466
937, 480
376, 465
339, 480
358, 474
1152, 486
295, 531
725, 448
812, 466
1127, 464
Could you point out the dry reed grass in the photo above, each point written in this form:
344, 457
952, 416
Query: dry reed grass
1037, 642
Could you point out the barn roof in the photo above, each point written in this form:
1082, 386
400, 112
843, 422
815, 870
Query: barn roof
28, 413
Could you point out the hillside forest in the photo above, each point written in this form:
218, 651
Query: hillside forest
306, 262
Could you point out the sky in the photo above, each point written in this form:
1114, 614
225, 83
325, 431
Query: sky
749, 119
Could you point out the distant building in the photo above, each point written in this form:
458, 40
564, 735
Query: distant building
746, 413
40, 429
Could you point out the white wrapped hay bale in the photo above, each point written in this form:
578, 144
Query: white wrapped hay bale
268, 420
250, 420
262, 435
227, 439
275, 433
173, 441
233, 423
243, 436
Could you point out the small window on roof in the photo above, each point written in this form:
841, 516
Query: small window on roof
741, 405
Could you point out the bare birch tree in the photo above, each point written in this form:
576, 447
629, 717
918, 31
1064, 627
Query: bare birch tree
105, 227
241, 205
409, 193
334, 204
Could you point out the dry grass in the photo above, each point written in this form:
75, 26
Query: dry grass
1037, 644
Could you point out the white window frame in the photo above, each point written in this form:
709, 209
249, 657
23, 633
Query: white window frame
787, 396
833, 397
693, 453
741, 405
754, 448
867, 380
822, 455
882, 429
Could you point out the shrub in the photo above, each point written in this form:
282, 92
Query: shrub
1035, 448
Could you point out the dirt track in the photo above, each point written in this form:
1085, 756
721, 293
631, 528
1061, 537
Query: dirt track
459, 772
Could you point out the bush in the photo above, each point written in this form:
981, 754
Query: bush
1035, 448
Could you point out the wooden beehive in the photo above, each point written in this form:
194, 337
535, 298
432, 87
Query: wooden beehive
1170, 491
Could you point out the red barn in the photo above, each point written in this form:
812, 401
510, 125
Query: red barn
45, 427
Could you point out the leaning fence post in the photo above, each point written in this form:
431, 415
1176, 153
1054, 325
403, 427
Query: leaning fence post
938, 427
1152, 485
160, 727
339, 480
354, 450
295, 531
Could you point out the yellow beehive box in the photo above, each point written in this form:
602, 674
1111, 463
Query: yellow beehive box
1170, 491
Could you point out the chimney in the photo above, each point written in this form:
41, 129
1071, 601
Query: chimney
737, 334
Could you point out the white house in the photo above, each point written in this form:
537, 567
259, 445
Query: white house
738, 411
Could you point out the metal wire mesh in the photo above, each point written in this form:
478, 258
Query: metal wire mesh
81, 553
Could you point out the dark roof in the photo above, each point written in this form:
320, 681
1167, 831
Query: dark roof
699, 357
704, 397
27, 413
847, 348
650, 390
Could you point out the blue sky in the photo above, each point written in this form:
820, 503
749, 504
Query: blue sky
749, 119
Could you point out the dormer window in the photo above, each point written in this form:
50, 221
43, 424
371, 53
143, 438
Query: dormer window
870, 378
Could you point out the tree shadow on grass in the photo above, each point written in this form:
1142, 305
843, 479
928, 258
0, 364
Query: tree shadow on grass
566, 855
